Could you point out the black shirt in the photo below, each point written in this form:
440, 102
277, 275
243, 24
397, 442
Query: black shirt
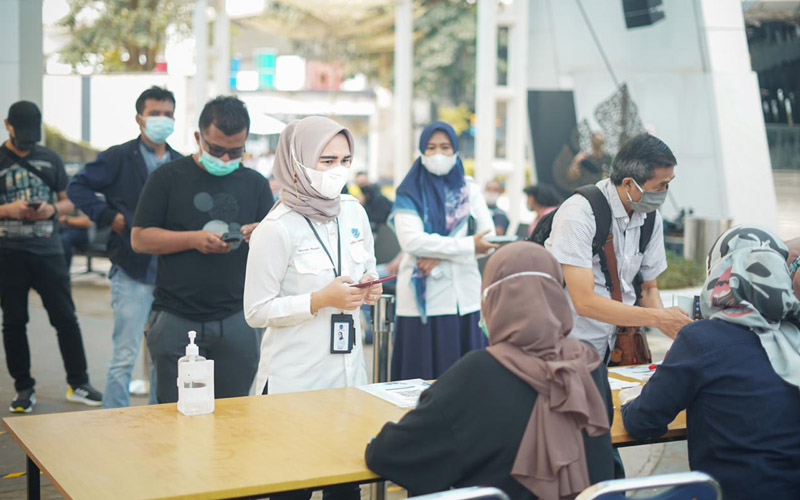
742, 419
18, 183
182, 196
467, 429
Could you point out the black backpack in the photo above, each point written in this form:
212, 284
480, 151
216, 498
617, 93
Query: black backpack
602, 219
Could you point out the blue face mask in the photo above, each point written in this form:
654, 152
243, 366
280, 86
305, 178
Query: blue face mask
482, 326
158, 128
215, 166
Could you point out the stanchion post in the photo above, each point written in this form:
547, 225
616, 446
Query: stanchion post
382, 327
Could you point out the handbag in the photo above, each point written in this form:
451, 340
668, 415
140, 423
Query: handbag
631, 347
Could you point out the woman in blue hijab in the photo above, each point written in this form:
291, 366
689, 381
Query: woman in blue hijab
441, 220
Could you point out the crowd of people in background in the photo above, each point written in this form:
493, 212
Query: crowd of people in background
518, 342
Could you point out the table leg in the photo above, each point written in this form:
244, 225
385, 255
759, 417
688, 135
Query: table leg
378, 490
34, 488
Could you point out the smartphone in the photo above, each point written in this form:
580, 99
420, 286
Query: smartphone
502, 240
696, 312
233, 239
367, 284
35, 204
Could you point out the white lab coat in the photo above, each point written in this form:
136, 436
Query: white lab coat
286, 263
454, 286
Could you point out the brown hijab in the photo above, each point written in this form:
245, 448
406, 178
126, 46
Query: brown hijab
528, 317
307, 138
794, 253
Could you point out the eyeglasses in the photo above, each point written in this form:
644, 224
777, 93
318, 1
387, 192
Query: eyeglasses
219, 152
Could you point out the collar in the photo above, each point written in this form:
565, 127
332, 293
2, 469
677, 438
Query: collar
151, 150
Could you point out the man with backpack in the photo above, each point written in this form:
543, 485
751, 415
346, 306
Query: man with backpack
609, 240
32, 193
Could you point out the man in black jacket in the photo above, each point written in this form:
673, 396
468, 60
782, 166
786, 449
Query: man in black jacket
119, 175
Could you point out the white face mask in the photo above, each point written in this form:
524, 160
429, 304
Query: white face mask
329, 183
491, 197
438, 164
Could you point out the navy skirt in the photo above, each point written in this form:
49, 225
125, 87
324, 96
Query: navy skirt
427, 350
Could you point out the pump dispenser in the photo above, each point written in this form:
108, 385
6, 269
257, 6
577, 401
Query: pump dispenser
195, 381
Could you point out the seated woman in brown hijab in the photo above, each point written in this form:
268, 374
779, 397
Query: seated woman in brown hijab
529, 415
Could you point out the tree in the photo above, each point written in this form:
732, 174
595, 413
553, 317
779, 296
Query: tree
360, 34
121, 35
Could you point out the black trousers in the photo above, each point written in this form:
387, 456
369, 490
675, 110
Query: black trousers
47, 274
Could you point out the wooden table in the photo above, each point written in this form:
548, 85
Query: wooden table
248, 446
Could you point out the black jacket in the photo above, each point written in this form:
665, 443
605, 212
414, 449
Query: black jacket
119, 173
467, 429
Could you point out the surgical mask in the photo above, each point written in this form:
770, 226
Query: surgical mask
328, 183
438, 164
482, 326
23, 146
158, 128
651, 200
491, 197
215, 166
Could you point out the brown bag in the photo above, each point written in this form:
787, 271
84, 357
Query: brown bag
631, 347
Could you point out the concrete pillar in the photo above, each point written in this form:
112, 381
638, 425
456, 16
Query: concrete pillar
517, 130
403, 67
222, 49
485, 81
200, 27
21, 60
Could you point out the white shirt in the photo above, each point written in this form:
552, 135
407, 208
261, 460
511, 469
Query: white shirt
571, 243
454, 286
286, 263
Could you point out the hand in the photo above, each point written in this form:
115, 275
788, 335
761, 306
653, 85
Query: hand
17, 210
118, 224
339, 295
207, 242
44, 212
247, 230
671, 320
374, 292
482, 246
427, 264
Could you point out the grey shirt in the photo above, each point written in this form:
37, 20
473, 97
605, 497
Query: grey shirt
571, 243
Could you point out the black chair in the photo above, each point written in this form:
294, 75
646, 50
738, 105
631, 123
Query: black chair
98, 239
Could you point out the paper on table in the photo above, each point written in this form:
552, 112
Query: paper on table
617, 384
403, 393
638, 372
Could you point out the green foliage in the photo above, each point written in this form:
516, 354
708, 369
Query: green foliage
121, 35
69, 151
681, 273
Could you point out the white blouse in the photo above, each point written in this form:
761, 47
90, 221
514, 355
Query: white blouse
454, 286
285, 264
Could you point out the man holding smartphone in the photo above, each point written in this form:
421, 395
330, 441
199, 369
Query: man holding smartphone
32, 193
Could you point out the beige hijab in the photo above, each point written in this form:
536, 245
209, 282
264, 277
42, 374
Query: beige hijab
307, 138
528, 317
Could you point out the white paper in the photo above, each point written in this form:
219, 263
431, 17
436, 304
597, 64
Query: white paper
617, 384
403, 393
638, 372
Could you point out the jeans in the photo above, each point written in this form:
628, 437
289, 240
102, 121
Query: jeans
47, 274
130, 301
230, 342
72, 238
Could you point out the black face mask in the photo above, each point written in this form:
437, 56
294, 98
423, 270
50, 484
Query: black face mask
23, 146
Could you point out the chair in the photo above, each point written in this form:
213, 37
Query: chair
386, 244
98, 238
470, 493
682, 486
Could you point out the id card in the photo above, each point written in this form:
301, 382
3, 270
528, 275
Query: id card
343, 333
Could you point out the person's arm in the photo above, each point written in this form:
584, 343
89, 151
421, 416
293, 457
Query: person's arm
95, 177
670, 390
15, 210
484, 223
654, 262
419, 452
77, 221
413, 239
651, 297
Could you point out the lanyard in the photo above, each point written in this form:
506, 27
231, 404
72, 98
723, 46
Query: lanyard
336, 271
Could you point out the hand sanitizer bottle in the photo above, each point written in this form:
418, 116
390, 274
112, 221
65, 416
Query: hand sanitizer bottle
195, 381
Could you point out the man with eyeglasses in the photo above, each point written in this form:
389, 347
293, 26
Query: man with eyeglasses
197, 214
119, 174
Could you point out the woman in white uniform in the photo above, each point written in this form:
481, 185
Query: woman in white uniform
304, 256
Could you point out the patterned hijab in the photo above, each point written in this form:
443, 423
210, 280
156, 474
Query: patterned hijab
794, 264
307, 138
528, 317
749, 284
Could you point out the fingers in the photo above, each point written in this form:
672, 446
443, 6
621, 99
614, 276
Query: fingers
482, 234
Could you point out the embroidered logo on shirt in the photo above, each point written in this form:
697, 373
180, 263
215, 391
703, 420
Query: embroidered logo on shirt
355, 232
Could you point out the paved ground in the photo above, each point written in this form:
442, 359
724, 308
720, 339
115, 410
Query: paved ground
91, 294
